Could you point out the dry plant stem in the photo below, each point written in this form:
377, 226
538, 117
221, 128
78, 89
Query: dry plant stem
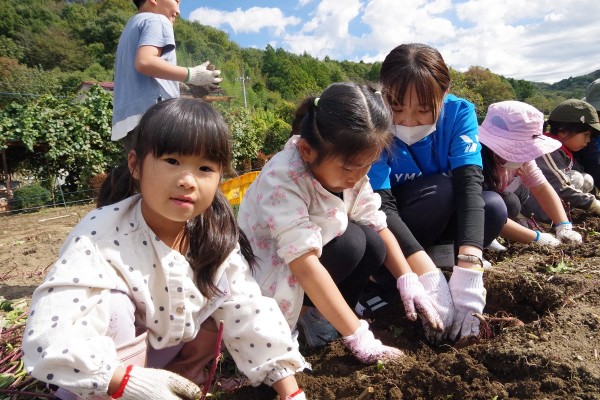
366, 393
27, 394
213, 368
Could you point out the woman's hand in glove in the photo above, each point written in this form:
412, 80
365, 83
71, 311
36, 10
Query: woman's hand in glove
468, 295
437, 289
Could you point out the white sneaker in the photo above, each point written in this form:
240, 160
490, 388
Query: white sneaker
486, 264
496, 246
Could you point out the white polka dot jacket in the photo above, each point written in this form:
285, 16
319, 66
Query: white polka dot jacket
112, 248
286, 213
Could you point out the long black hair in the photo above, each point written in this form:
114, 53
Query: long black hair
187, 127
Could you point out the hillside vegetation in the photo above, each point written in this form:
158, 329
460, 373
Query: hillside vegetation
49, 47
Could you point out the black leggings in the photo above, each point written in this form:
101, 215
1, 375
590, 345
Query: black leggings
351, 258
427, 208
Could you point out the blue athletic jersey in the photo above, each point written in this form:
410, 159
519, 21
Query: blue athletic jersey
453, 144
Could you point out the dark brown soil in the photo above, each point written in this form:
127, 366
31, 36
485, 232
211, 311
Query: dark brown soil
554, 355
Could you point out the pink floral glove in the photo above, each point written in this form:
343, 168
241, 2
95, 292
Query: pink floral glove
417, 302
468, 295
566, 234
436, 287
366, 348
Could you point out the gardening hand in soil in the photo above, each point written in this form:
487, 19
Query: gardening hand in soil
366, 348
201, 75
436, 287
547, 239
566, 234
158, 384
417, 302
468, 295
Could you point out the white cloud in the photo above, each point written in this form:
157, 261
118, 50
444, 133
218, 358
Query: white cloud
327, 32
539, 40
251, 20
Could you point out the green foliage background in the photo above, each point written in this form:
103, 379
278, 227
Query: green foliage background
49, 47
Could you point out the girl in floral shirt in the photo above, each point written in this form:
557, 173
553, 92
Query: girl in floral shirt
314, 222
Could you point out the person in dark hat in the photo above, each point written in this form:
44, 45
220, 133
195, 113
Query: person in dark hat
589, 157
574, 123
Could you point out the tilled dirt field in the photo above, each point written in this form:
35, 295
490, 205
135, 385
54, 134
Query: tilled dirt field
553, 355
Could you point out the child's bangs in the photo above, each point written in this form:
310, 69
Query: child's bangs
197, 129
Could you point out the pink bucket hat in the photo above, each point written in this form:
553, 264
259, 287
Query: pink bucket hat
513, 130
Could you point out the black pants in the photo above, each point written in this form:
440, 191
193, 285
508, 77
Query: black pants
427, 208
351, 258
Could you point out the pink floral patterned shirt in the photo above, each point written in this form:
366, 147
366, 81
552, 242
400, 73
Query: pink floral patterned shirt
287, 213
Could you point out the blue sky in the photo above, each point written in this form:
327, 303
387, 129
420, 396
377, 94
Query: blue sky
537, 40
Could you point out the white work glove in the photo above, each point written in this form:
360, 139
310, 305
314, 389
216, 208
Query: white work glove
588, 183
200, 75
566, 234
595, 207
546, 239
468, 295
366, 348
158, 384
417, 302
436, 287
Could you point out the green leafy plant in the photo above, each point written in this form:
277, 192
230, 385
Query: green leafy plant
561, 267
30, 197
14, 380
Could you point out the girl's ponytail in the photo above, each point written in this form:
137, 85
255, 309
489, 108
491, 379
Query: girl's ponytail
118, 185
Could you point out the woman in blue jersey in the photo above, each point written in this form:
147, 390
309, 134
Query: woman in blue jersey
431, 184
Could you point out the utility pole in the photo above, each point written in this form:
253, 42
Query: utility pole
244, 78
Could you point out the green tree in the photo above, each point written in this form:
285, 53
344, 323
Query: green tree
490, 86
64, 136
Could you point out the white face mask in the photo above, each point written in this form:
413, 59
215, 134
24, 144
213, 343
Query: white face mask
412, 134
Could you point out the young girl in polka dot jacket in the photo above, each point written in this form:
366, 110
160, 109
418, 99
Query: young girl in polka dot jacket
129, 309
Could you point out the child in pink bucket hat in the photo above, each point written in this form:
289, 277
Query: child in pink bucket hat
511, 138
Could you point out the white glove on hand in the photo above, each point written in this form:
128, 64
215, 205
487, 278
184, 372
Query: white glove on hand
202, 76
436, 287
566, 234
366, 348
158, 384
417, 302
468, 294
546, 239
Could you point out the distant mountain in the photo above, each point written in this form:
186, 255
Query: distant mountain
572, 87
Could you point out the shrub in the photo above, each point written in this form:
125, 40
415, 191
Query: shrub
30, 196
